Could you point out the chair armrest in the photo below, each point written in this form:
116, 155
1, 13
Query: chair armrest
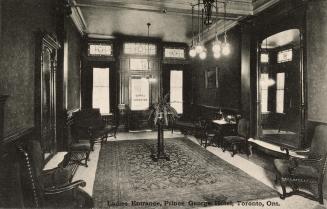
292, 153
286, 150
64, 188
49, 171
295, 162
302, 152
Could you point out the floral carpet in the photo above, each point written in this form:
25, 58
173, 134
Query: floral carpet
126, 177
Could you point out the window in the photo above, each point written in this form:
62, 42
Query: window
264, 92
100, 50
140, 93
285, 56
176, 90
264, 58
139, 64
101, 90
174, 53
280, 86
140, 49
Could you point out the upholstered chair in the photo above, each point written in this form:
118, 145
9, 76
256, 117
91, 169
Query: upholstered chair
89, 125
305, 169
48, 188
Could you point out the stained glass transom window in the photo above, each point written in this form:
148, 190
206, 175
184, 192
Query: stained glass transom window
140, 49
285, 56
174, 53
100, 50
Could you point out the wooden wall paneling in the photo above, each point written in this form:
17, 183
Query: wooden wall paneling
45, 92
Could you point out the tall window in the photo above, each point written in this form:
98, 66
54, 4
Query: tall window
264, 92
101, 90
176, 90
280, 92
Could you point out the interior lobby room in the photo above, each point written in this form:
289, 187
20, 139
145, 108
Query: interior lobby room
163, 104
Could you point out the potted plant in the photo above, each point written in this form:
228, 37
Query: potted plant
162, 115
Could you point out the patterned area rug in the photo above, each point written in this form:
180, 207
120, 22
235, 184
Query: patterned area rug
127, 177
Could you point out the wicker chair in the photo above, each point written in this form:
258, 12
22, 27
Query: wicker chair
301, 173
48, 188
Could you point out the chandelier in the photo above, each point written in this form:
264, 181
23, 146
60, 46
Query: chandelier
219, 48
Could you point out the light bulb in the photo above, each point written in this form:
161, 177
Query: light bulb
203, 55
217, 55
192, 52
198, 48
216, 47
226, 49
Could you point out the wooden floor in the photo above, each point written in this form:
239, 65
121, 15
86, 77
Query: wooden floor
254, 170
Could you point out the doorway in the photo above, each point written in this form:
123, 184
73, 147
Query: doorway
176, 90
280, 89
101, 90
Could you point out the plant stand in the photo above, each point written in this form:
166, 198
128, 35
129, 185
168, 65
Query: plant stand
160, 147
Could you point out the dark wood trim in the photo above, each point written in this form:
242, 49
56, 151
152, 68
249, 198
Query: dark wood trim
14, 136
173, 61
218, 108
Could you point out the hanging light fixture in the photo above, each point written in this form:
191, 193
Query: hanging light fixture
208, 5
192, 51
225, 47
148, 47
150, 78
197, 47
216, 47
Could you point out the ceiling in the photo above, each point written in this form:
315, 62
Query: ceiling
171, 20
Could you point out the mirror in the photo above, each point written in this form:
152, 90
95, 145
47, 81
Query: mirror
280, 88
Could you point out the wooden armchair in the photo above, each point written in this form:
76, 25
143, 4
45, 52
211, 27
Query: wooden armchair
89, 125
207, 133
48, 188
236, 142
307, 169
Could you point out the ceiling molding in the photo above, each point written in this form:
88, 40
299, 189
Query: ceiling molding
100, 36
78, 19
261, 5
218, 27
234, 9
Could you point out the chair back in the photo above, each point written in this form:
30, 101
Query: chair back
84, 119
319, 146
243, 128
88, 117
32, 163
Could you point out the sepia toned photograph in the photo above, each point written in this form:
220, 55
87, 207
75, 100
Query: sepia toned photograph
163, 104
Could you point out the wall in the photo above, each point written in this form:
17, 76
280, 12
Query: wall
228, 93
74, 51
20, 20
316, 60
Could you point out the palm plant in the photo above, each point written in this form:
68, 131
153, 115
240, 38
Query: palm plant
162, 113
